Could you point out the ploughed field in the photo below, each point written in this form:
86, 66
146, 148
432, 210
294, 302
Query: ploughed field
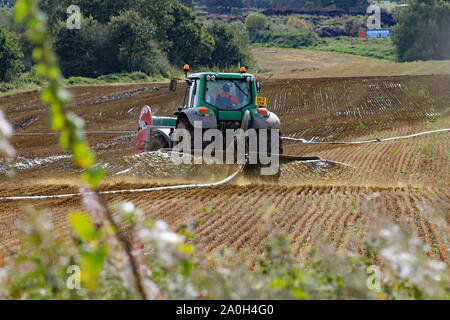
402, 181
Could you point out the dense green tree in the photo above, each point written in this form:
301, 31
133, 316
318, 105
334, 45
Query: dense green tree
259, 3
7, 21
10, 56
423, 30
56, 10
242, 40
140, 35
256, 22
133, 35
188, 43
352, 4
287, 3
228, 4
102, 10
340, 4
87, 52
7, 3
187, 3
159, 14
232, 45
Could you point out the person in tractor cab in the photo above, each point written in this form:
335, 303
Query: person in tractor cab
225, 99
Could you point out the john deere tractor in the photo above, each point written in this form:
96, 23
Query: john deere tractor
217, 101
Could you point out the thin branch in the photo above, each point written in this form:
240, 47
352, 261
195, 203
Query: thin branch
126, 246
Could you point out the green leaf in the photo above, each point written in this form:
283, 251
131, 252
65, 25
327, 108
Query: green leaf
57, 119
64, 139
186, 267
41, 72
91, 265
278, 283
54, 74
185, 248
47, 96
82, 155
38, 36
300, 294
83, 227
63, 95
21, 10
93, 176
37, 54
74, 120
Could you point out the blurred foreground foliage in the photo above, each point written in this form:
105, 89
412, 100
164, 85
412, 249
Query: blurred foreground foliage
120, 254
171, 268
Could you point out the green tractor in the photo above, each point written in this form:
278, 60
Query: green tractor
221, 101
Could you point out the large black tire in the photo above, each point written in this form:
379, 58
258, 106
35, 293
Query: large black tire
158, 142
184, 123
253, 172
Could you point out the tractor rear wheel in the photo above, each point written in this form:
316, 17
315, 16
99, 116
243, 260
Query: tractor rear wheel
184, 124
158, 142
254, 171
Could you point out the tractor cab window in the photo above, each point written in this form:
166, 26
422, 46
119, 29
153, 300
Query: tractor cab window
228, 94
193, 94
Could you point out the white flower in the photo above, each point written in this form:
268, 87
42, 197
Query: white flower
92, 204
389, 253
161, 225
167, 258
3, 275
191, 292
43, 292
374, 196
151, 289
170, 238
145, 235
405, 264
5, 128
224, 271
138, 214
127, 207
7, 149
385, 233
438, 266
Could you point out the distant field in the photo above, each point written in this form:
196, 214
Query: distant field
302, 63
372, 48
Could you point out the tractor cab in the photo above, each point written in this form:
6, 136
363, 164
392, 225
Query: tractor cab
224, 92
219, 100
225, 101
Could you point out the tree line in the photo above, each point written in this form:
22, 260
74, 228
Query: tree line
157, 36
152, 36
265, 4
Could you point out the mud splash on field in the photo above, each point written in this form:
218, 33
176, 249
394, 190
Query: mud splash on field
24, 163
159, 166
316, 172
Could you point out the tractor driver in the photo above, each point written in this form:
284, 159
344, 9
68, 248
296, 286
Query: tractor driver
225, 98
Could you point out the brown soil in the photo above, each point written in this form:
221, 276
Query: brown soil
313, 204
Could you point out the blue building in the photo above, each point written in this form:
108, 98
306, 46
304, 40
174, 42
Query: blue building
378, 33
